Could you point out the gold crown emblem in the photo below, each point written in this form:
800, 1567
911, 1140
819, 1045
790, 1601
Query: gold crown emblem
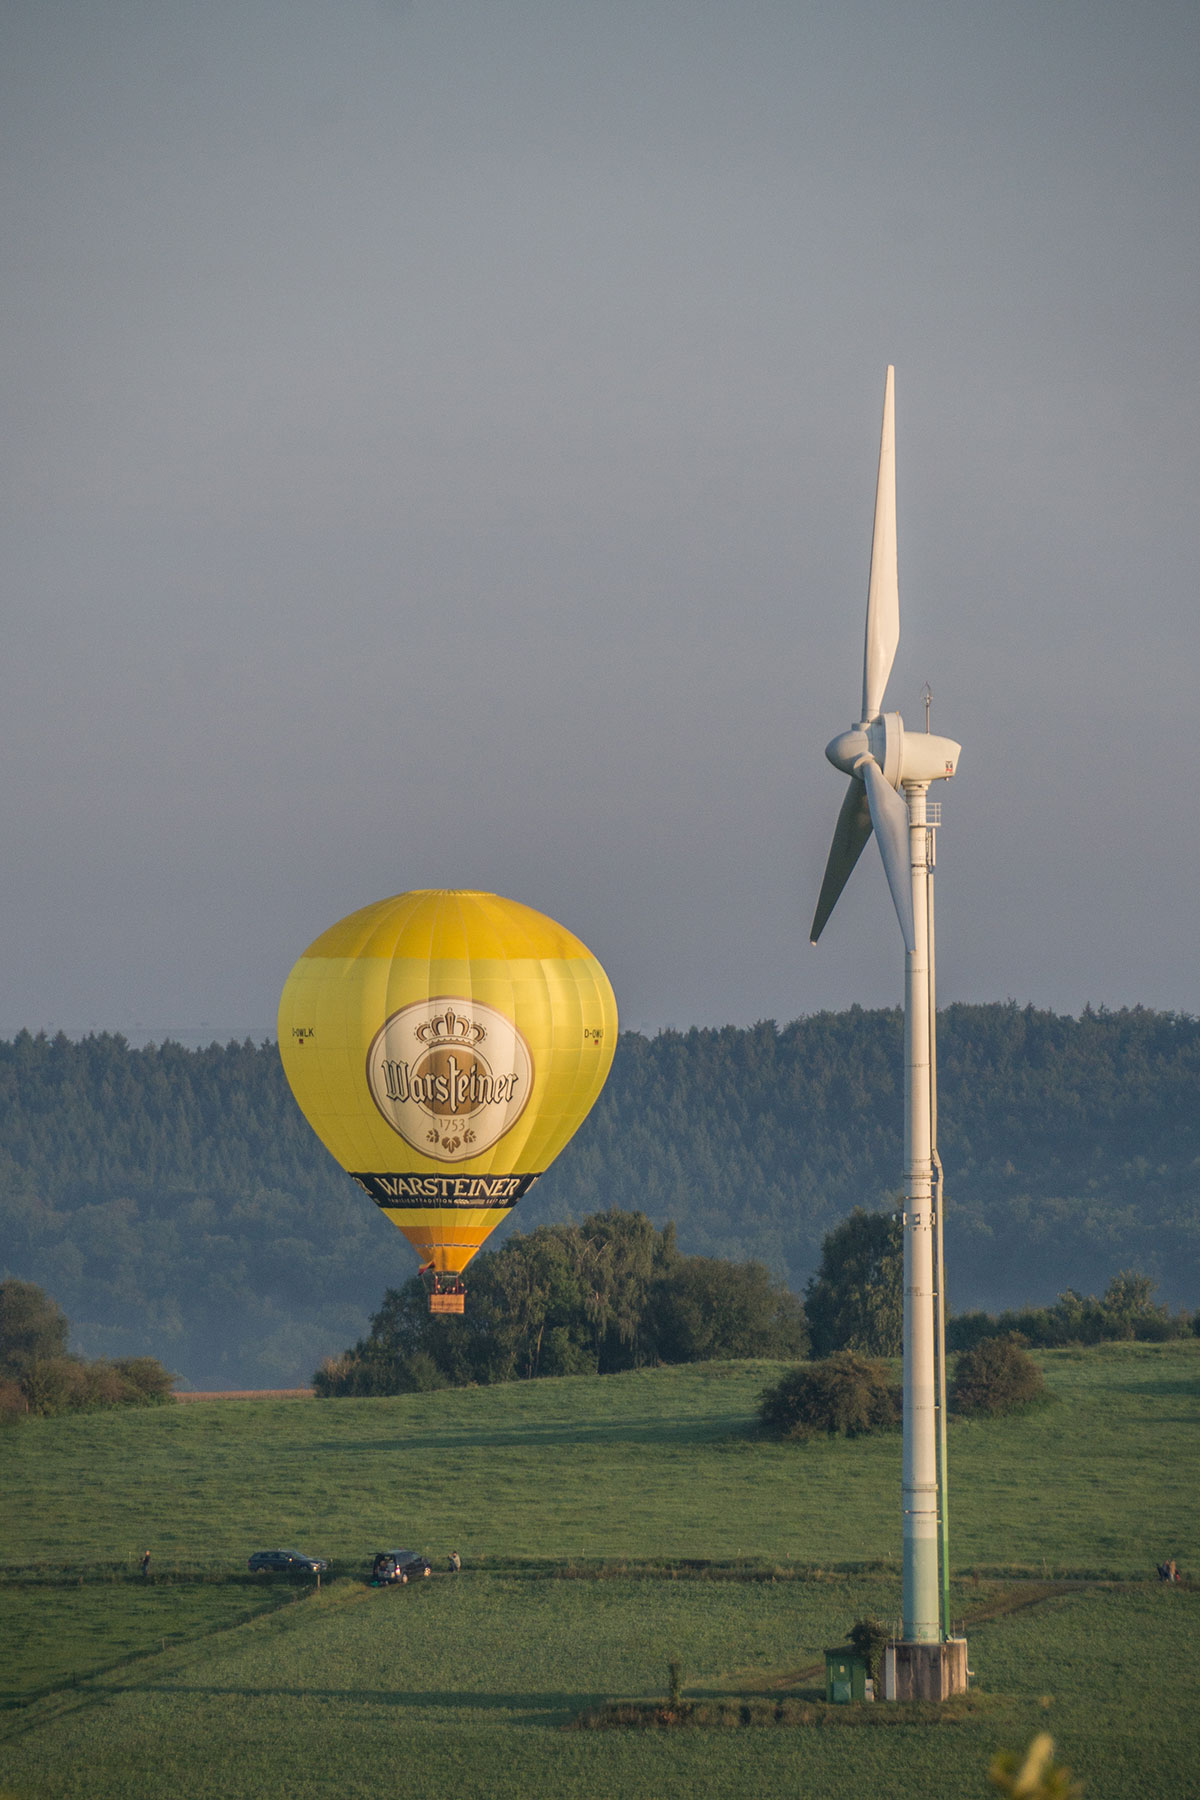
450, 1028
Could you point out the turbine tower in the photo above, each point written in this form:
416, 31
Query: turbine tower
890, 772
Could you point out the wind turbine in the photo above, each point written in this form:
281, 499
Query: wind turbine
890, 772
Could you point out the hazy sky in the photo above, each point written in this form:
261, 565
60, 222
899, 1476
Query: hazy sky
440, 448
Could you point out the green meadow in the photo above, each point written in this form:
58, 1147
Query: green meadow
607, 1526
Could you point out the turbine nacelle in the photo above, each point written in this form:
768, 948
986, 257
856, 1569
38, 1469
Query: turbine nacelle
902, 756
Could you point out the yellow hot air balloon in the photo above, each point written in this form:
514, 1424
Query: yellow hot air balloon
444, 1045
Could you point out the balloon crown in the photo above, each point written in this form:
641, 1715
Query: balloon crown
451, 1028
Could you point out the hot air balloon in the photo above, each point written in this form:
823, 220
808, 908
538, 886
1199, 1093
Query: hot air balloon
444, 1045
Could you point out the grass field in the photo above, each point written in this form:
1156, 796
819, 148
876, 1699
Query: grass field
606, 1526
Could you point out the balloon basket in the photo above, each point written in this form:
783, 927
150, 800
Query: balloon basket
447, 1295
447, 1303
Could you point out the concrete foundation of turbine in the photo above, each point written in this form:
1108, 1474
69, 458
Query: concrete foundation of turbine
925, 1671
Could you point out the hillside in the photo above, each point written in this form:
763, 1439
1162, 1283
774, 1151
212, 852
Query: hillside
176, 1204
607, 1525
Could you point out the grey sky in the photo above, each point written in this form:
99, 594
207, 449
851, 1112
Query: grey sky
440, 451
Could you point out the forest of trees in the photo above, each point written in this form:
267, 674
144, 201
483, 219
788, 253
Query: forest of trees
176, 1204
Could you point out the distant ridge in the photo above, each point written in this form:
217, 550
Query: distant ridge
175, 1203
192, 1037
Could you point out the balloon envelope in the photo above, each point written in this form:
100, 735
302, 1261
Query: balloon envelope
444, 1045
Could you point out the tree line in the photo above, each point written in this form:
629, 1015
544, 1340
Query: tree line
614, 1293
855, 1302
178, 1205
607, 1294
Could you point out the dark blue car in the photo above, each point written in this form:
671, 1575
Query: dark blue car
286, 1562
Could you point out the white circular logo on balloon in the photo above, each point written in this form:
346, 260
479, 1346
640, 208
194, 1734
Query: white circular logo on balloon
450, 1075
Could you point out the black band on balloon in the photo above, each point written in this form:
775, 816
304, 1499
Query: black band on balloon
444, 1190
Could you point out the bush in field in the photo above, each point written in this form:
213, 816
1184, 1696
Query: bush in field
845, 1395
869, 1637
368, 1369
59, 1384
38, 1376
13, 1404
140, 1380
996, 1376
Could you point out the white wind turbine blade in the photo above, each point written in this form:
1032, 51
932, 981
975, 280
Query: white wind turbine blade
889, 816
851, 832
883, 589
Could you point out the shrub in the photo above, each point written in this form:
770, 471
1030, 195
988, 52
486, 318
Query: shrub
144, 1381
1157, 1328
846, 1395
38, 1376
331, 1378
371, 1369
54, 1384
13, 1404
1073, 1319
966, 1329
869, 1637
59, 1384
996, 1376
1126, 1311
101, 1386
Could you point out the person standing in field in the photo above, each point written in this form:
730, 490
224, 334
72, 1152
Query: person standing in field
146, 1564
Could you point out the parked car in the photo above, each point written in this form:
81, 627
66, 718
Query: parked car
398, 1565
288, 1562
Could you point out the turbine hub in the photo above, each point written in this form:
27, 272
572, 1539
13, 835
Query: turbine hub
848, 748
881, 738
